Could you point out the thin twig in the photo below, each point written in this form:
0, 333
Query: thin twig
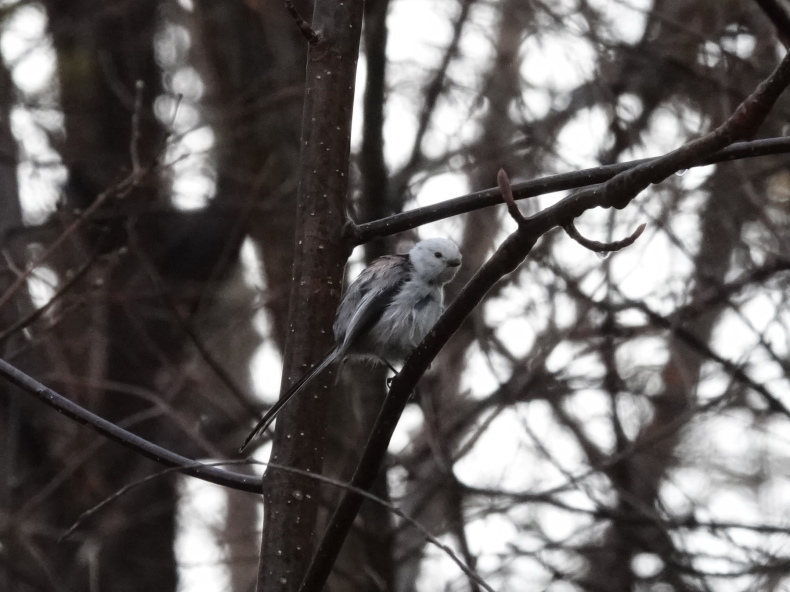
599, 247
134, 142
305, 29
36, 314
503, 182
120, 189
129, 486
327, 480
737, 372
618, 193
170, 302
132, 441
430, 100
367, 231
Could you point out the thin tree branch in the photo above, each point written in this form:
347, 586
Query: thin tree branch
31, 318
305, 29
673, 324
602, 513
171, 303
129, 486
365, 232
430, 100
321, 478
599, 247
119, 189
503, 182
687, 337
132, 441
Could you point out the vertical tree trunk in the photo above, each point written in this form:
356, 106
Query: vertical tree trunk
291, 501
366, 561
101, 53
17, 441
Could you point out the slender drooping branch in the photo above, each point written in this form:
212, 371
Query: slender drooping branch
206, 471
135, 443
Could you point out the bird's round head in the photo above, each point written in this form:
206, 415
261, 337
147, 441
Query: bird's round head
436, 259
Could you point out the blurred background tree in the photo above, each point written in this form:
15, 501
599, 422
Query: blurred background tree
595, 425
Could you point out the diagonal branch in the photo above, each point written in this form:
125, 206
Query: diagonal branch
431, 99
137, 444
305, 29
31, 318
176, 463
365, 232
617, 192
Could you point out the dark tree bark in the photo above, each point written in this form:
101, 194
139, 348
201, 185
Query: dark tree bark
17, 449
291, 501
101, 54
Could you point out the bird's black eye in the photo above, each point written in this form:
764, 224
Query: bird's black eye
438, 255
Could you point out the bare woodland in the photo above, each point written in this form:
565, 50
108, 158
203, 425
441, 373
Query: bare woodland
597, 410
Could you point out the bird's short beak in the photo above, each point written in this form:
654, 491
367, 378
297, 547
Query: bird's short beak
453, 262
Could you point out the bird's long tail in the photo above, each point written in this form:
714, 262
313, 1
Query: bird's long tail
295, 389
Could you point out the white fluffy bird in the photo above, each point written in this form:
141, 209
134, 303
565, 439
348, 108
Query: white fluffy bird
386, 312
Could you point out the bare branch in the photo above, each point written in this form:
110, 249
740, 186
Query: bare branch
171, 303
617, 192
430, 100
120, 189
503, 182
305, 29
132, 441
599, 247
31, 318
365, 232
134, 142
321, 478
734, 370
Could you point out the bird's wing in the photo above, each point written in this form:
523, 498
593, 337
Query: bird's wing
295, 389
363, 304
369, 296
